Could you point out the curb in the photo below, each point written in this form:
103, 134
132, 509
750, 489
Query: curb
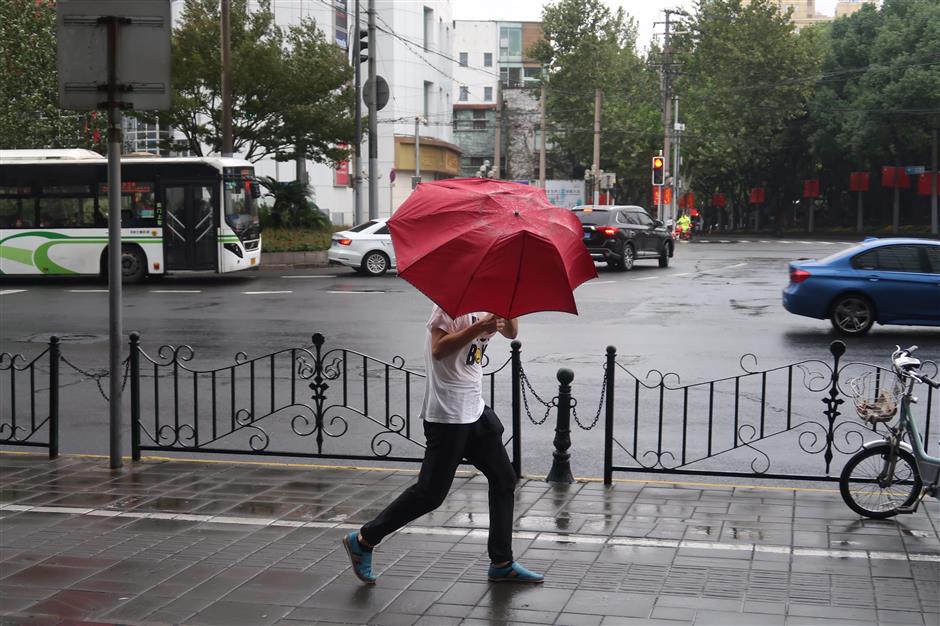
316, 258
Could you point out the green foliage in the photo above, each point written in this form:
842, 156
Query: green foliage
587, 46
30, 116
295, 239
291, 88
291, 207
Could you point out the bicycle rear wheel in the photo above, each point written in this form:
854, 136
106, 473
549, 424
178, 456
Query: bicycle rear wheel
867, 495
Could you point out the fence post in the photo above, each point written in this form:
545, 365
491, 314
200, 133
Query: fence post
609, 416
515, 348
54, 397
837, 348
135, 396
561, 460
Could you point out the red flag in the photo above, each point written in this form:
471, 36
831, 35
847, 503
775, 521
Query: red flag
757, 195
811, 188
924, 182
858, 181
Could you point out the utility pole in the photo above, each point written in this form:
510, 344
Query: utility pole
498, 149
596, 167
542, 137
676, 160
373, 122
357, 148
226, 28
665, 74
417, 176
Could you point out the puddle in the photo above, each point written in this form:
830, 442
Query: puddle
65, 338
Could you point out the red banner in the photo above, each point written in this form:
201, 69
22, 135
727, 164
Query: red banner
894, 177
341, 174
687, 201
757, 195
858, 181
667, 195
719, 200
811, 188
924, 183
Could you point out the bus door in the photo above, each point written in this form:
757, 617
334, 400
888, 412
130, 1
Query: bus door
189, 228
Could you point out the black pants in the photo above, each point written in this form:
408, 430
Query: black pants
481, 444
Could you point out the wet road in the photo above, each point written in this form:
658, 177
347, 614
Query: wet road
716, 302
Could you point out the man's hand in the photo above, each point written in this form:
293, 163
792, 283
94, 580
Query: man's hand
507, 328
489, 324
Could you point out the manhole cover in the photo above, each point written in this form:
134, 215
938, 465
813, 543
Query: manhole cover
65, 338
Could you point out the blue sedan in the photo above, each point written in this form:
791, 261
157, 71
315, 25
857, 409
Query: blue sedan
889, 281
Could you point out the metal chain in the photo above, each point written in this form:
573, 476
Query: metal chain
600, 404
97, 376
548, 405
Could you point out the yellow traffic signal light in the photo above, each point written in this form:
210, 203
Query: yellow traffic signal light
659, 170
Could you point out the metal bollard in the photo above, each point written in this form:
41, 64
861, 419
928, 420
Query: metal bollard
54, 355
561, 460
516, 347
135, 396
610, 368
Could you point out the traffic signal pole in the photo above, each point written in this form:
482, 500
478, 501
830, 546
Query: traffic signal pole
357, 147
596, 168
373, 122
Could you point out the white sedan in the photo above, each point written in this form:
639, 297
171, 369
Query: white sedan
367, 248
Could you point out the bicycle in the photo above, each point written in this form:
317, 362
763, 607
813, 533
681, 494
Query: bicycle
891, 475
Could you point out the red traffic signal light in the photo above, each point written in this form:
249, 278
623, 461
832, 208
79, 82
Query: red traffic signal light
659, 170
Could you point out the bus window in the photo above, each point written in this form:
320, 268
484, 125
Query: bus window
17, 208
138, 204
240, 203
63, 206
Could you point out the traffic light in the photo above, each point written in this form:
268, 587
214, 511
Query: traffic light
659, 170
363, 45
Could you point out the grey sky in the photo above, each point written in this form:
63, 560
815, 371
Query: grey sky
646, 12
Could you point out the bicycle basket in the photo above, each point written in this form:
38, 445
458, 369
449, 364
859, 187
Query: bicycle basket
873, 404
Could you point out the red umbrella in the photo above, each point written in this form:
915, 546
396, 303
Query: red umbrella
478, 244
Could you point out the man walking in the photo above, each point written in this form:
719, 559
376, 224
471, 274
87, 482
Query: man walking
457, 425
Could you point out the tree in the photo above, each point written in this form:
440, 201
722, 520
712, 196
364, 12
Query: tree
30, 116
292, 95
745, 80
587, 46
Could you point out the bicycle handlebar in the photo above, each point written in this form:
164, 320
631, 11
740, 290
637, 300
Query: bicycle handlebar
906, 365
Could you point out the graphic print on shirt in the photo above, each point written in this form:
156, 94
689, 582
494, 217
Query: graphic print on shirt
477, 347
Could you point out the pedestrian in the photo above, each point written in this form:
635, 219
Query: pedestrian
457, 425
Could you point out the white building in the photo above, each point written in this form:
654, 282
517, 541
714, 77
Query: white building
414, 54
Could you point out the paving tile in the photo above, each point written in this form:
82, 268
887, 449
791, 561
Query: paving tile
228, 613
610, 603
76, 605
724, 618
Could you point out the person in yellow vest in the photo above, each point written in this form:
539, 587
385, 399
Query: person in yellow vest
684, 223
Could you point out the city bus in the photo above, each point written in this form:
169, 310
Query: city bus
187, 214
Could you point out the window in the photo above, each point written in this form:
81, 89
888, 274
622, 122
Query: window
476, 161
428, 86
361, 227
138, 205
340, 19
428, 27
890, 259
510, 43
17, 207
488, 94
511, 76
642, 218
532, 73
933, 258
66, 206
624, 218
464, 93
479, 120
487, 59
383, 230
463, 59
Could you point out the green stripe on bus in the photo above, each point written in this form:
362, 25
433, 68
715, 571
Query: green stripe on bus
16, 254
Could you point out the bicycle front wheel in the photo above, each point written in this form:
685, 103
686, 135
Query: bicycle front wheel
868, 493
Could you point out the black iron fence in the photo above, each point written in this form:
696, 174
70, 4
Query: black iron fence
29, 408
301, 402
784, 422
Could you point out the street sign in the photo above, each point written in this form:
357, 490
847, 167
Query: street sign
381, 93
142, 53
910, 170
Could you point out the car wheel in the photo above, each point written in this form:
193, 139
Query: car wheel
852, 315
375, 264
629, 256
664, 257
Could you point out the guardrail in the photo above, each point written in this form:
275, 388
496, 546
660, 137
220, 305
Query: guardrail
26, 415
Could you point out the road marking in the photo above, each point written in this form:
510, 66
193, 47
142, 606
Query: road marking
9, 292
261, 293
175, 291
599, 282
647, 278
88, 290
317, 276
744, 241
554, 537
354, 291
808, 243
683, 274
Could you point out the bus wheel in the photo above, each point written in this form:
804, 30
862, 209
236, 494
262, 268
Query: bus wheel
133, 264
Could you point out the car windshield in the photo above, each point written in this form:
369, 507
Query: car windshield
361, 227
592, 217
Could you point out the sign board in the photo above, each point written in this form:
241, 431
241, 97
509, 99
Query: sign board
910, 170
381, 92
565, 193
142, 53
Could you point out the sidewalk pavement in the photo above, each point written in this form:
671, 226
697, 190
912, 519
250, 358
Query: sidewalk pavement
190, 542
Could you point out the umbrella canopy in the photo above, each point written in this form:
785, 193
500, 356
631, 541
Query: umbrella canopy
478, 244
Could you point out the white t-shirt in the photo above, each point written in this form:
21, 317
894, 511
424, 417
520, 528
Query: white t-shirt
454, 390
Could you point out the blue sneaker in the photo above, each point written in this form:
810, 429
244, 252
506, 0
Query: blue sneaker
360, 558
514, 573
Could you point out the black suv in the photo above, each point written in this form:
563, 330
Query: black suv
620, 235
